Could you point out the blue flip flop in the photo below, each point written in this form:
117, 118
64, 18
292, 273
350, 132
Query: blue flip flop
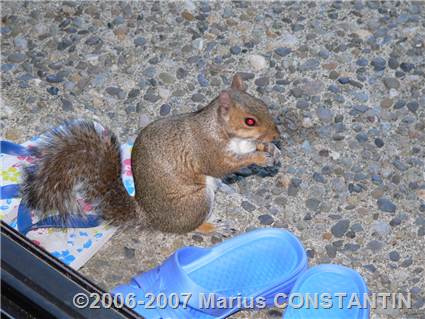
328, 292
202, 282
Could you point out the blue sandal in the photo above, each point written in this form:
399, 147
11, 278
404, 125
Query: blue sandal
261, 263
338, 282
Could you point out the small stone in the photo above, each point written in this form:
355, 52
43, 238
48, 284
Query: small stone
362, 62
144, 120
235, 50
227, 12
181, 73
393, 63
198, 44
7, 67
361, 137
327, 236
258, 62
399, 104
319, 178
166, 78
413, 106
274, 313
377, 180
312, 204
380, 228
339, 118
139, 41
54, 79
16, 57
310, 64
355, 188
66, 105
344, 80
93, 40
375, 245
133, 93
379, 142
282, 51
296, 182
360, 108
297, 92
400, 165
198, 238
339, 229
324, 114
164, 93
378, 63
118, 20
356, 228
187, 15
324, 54
197, 97
333, 75
407, 67
330, 251
310, 253
263, 81
421, 231
149, 72
394, 256
151, 97
307, 122
266, 219
370, 268
407, 262
359, 95
386, 205
21, 43
302, 104
53, 90
248, 206
386, 103
307, 216
246, 75
69, 85
115, 91
129, 252
391, 83
154, 60
216, 239
202, 80
395, 221
338, 243
164, 109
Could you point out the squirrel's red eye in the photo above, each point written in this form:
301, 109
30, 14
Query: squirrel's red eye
249, 121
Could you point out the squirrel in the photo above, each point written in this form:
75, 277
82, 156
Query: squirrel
176, 163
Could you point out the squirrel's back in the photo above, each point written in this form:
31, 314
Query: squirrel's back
78, 163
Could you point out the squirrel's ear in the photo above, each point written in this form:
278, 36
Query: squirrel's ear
225, 102
238, 84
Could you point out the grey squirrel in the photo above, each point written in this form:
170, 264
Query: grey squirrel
175, 163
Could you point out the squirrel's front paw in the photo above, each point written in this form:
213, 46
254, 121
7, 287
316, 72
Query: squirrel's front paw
264, 159
274, 152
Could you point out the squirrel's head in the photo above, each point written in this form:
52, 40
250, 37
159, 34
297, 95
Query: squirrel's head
246, 116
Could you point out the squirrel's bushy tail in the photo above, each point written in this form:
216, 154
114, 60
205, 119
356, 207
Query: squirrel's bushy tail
79, 163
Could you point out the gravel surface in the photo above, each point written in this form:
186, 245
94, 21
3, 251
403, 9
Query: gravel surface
345, 81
